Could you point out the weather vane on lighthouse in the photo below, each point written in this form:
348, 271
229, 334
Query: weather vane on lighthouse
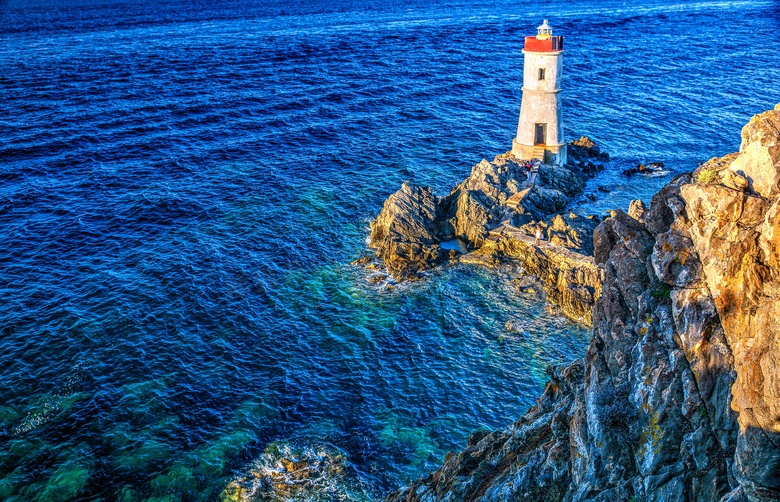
540, 131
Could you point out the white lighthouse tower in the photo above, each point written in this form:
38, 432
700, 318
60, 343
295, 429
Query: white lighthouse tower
540, 131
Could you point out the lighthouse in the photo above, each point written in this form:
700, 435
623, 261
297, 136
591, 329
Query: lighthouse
540, 131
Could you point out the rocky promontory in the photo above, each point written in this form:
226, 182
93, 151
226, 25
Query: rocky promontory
491, 214
678, 395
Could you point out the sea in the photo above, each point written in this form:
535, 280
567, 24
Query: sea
183, 185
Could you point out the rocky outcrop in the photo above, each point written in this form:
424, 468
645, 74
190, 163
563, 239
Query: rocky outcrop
677, 397
735, 229
586, 155
414, 222
407, 232
477, 204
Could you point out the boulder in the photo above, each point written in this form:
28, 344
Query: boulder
407, 232
734, 180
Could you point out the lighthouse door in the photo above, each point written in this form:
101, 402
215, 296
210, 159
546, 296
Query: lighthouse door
540, 134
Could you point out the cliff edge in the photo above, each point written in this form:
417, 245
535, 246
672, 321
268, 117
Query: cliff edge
678, 395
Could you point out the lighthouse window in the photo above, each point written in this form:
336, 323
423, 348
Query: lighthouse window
541, 73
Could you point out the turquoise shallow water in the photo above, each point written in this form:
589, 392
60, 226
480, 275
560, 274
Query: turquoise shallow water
183, 185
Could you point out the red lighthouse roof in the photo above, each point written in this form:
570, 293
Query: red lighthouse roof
544, 41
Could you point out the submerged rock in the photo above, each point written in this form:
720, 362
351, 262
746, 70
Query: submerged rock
645, 169
286, 473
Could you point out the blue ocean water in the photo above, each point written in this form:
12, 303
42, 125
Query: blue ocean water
183, 186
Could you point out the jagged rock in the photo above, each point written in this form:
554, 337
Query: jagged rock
583, 149
637, 210
413, 222
363, 260
478, 204
568, 182
667, 208
759, 158
407, 232
527, 462
567, 230
701, 337
675, 262
541, 202
471, 214
728, 229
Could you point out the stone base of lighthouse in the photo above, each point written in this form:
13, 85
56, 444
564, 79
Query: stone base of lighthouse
553, 154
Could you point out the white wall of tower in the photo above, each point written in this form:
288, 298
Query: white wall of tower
541, 104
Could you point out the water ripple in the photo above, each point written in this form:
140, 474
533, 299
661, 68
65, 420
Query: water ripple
182, 187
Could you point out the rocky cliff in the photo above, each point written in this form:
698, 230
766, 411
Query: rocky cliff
678, 395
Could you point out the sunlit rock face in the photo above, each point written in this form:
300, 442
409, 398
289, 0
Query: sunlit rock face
678, 395
735, 231
414, 223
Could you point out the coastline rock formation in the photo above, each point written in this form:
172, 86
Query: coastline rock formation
491, 211
678, 395
407, 232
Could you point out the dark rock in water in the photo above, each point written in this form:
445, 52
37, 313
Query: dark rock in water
407, 232
644, 169
376, 279
590, 169
584, 149
604, 189
677, 396
527, 284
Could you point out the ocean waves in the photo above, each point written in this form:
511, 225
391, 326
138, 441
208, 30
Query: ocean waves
182, 189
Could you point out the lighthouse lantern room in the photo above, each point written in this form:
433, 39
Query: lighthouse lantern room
540, 131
